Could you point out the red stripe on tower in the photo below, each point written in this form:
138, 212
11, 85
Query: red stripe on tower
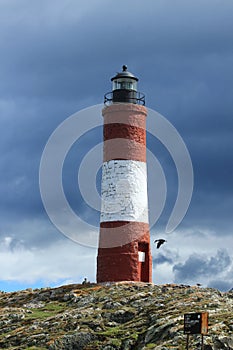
124, 242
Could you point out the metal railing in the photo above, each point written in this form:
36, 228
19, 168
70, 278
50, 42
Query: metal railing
138, 99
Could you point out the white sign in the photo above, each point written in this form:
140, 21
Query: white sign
141, 256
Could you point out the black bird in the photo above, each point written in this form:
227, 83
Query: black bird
160, 242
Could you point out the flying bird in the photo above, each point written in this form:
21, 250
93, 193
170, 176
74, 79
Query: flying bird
160, 242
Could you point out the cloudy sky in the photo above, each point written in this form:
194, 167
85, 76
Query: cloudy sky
57, 58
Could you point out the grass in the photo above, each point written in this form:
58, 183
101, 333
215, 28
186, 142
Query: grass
115, 342
51, 309
112, 331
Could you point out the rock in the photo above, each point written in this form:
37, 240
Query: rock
218, 345
36, 304
34, 339
16, 317
57, 294
127, 344
73, 342
223, 343
70, 297
44, 296
207, 347
112, 305
156, 333
122, 316
84, 301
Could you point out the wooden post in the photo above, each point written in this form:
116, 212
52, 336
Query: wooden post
187, 342
202, 342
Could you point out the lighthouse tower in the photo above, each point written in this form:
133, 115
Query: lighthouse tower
124, 241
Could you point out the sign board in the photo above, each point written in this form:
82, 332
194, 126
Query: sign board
196, 323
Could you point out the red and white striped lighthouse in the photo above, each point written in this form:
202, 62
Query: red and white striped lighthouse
124, 242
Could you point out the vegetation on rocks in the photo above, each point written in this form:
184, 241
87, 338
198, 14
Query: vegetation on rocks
125, 316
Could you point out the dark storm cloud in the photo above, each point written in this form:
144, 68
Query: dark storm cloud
65, 51
45, 51
198, 266
57, 58
161, 259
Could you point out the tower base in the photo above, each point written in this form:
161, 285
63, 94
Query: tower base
131, 261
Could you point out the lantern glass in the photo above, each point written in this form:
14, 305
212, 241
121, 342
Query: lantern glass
124, 84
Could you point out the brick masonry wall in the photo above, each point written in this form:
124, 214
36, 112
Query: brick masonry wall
124, 131
120, 262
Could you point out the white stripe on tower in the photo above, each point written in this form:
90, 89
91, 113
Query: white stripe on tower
124, 191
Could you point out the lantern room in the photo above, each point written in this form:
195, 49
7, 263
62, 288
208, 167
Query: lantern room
124, 81
124, 89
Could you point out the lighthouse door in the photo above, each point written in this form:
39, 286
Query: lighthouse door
143, 262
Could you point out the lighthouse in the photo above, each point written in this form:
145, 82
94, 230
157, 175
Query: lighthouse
124, 241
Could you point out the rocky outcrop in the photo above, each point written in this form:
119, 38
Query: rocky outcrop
124, 316
77, 341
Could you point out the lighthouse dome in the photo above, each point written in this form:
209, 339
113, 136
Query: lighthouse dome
124, 74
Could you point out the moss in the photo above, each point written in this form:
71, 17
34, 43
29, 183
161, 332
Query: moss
134, 336
110, 331
115, 342
51, 309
